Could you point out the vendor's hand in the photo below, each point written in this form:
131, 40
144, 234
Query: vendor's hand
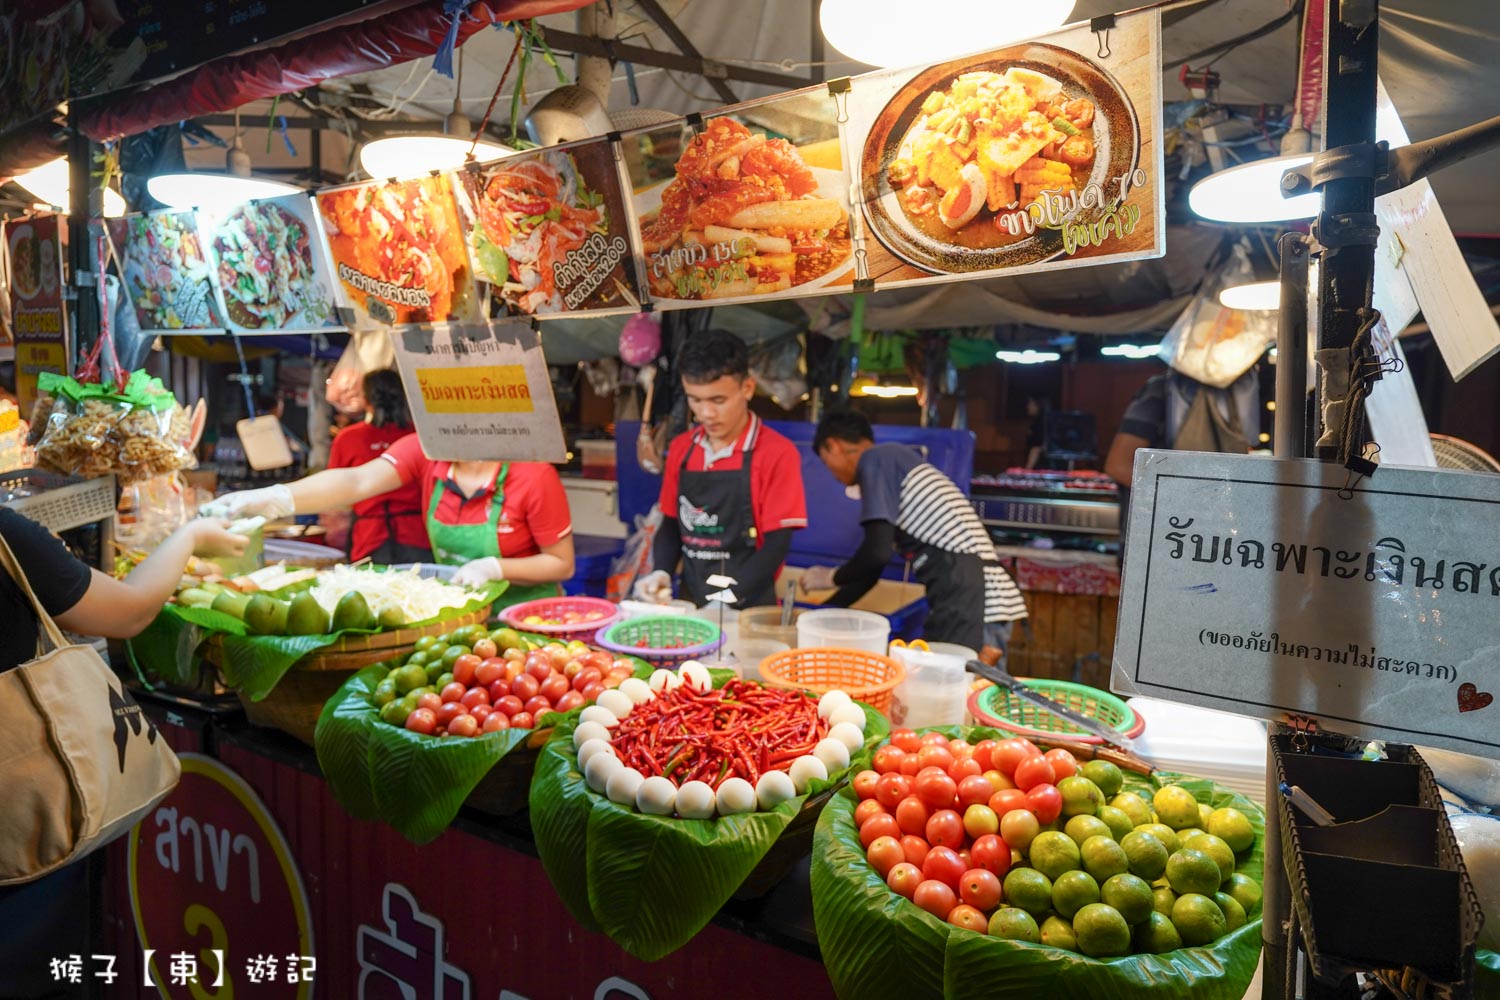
478, 572
211, 538
271, 503
653, 588
817, 578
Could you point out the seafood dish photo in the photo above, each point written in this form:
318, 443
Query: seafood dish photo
167, 272
744, 215
265, 258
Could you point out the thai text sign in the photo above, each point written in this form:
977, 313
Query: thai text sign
1273, 588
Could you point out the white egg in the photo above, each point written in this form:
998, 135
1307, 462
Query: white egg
850, 713
637, 690
657, 796
589, 731
599, 714
695, 800
616, 702
695, 675
774, 788
831, 700
592, 747
600, 768
833, 754
735, 795
664, 680
807, 768
623, 785
848, 734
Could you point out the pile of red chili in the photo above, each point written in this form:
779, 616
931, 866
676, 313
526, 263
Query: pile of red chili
741, 730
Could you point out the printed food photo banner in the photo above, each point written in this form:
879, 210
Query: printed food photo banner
272, 266
167, 271
38, 320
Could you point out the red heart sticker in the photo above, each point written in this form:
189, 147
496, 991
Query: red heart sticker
1471, 699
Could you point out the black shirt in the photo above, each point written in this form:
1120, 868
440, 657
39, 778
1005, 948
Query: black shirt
57, 577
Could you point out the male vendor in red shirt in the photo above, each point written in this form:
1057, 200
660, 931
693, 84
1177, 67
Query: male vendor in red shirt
731, 492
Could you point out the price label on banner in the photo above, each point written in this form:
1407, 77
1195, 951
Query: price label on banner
1276, 588
480, 392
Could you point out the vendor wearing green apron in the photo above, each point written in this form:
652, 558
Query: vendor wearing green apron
494, 520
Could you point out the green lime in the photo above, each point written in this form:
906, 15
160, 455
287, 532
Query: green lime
1117, 820
1234, 913
424, 643
1191, 871
1081, 797
506, 638
1028, 889
467, 634
1204, 812
1072, 891
1187, 833
1156, 935
1233, 827
408, 702
384, 693
420, 658
1104, 774
1132, 805
1130, 895
1176, 807
1162, 898
1102, 931
1165, 834
436, 669
443, 680
1246, 892
1146, 856
1081, 828
441, 642
1214, 848
408, 678
1015, 924
395, 713
452, 653
1103, 858
1058, 933
1198, 919
1053, 853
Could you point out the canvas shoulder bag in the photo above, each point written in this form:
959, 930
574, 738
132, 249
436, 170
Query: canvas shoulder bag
80, 763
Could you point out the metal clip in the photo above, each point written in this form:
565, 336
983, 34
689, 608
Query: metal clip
1100, 27
840, 86
1303, 727
864, 284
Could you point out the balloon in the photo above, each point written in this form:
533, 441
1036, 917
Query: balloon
640, 340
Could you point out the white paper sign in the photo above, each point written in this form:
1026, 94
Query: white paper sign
480, 392
1267, 588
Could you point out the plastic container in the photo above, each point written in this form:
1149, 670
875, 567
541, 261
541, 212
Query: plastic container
935, 689
844, 628
862, 675
556, 607
765, 623
748, 654
1228, 749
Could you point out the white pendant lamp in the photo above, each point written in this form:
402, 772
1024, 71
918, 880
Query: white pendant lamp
401, 156
216, 191
1258, 296
880, 32
1251, 193
50, 184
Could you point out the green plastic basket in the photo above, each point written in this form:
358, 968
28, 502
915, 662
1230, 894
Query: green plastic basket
996, 706
662, 640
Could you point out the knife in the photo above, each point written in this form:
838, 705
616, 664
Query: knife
999, 675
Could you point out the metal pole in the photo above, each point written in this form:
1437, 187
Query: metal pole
86, 201
1291, 351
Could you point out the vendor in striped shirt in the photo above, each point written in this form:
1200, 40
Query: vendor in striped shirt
909, 504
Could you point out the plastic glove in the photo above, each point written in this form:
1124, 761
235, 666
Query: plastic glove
817, 578
271, 503
478, 572
655, 588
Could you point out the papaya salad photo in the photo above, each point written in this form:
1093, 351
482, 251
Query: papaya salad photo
265, 254
166, 271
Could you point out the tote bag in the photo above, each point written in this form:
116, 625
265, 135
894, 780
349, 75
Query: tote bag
80, 763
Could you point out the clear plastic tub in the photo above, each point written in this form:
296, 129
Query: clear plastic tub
748, 653
765, 623
844, 628
935, 690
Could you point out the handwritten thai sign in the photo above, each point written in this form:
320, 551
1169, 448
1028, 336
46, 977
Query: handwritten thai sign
1273, 588
480, 392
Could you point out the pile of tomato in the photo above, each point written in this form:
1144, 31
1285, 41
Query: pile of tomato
566, 618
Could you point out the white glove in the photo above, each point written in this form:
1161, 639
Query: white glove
271, 503
817, 578
478, 572
654, 588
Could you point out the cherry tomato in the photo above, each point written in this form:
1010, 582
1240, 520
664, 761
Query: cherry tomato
866, 809
587, 676
522, 720
429, 700
1034, 771
592, 692
999, 780
934, 739
980, 820
571, 670
991, 853
537, 706
884, 854
554, 687
961, 749
906, 739
465, 666
982, 751
864, 784
513, 669
541, 670
980, 888
944, 865
1006, 800
912, 815
969, 918
916, 849
1046, 802
422, 720
1064, 764
464, 725
601, 661
1008, 754
498, 689
449, 711
495, 722
488, 671
486, 648
891, 789
509, 704
935, 756
569, 701
888, 759
903, 878
525, 687
453, 692
945, 828
964, 767
975, 790
911, 765
937, 790
936, 898
481, 712
879, 825
475, 696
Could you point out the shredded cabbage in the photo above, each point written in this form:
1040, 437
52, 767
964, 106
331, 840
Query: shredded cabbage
413, 596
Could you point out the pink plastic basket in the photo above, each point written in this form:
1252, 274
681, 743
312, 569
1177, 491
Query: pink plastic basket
556, 607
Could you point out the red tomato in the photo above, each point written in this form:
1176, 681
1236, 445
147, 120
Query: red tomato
910, 765
891, 789
884, 854
944, 865
475, 696
975, 790
1006, 800
526, 686
912, 815
960, 749
464, 726
481, 712
931, 769
449, 711
509, 704
1008, 754
963, 856
513, 669
991, 853
866, 809
601, 661
999, 780
587, 676
571, 669
592, 692
980, 888
522, 720
484, 649
554, 687
569, 701
864, 784
453, 692
541, 670
1046, 802
618, 674
558, 654
964, 767
934, 739
498, 690
888, 759
916, 849
935, 756
465, 667
879, 825
937, 790
1034, 771
969, 918
936, 898
982, 751
903, 878
495, 722
537, 706
1064, 764
429, 700
945, 828
422, 720
906, 739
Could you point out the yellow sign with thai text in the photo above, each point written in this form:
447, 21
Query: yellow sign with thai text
487, 389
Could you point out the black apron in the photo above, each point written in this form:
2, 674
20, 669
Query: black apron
955, 591
717, 525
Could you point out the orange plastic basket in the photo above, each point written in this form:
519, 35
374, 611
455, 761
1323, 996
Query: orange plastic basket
864, 676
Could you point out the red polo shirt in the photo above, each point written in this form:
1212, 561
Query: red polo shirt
535, 512
361, 443
776, 497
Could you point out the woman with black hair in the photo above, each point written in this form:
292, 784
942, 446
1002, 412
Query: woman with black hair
388, 528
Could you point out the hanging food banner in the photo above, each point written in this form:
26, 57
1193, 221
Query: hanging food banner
1039, 155
271, 266
399, 252
39, 321
749, 205
480, 392
548, 230
168, 272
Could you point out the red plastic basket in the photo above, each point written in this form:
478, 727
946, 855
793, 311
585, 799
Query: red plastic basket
556, 607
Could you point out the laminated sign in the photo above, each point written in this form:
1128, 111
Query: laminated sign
480, 392
1277, 589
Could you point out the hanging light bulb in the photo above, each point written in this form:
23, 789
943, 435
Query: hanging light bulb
398, 156
1251, 193
50, 184
1262, 296
868, 30
215, 191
